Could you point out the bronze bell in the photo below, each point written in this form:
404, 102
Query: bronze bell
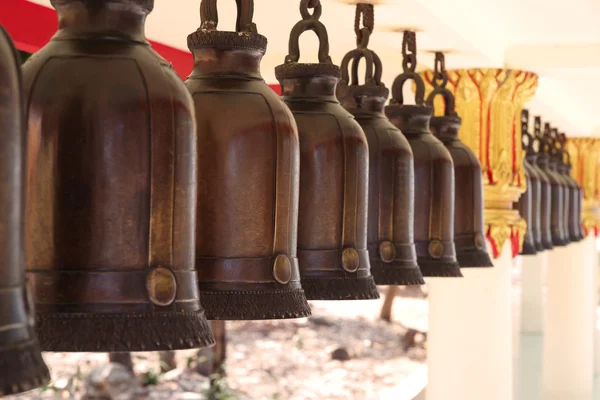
334, 167
576, 195
539, 161
553, 164
390, 225
111, 187
469, 237
547, 162
529, 202
248, 177
573, 212
22, 366
556, 161
434, 173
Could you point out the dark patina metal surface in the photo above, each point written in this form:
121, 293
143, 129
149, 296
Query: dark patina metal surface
469, 236
529, 202
390, 226
539, 161
549, 159
434, 174
248, 177
111, 187
334, 167
21, 365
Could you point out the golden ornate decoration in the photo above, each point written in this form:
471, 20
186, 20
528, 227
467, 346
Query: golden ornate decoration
490, 102
585, 161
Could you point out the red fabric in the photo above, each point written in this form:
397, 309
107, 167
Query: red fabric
495, 251
514, 241
276, 87
31, 26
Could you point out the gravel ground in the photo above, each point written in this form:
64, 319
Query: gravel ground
277, 360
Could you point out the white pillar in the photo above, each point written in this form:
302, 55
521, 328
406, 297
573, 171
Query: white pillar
568, 370
529, 367
469, 342
595, 314
533, 275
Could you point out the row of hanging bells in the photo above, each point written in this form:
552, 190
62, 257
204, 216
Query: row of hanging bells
123, 158
552, 203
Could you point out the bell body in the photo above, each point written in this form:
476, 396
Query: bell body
559, 236
434, 191
248, 177
469, 237
111, 187
334, 171
526, 206
539, 162
534, 182
22, 367
390, 226
573, 212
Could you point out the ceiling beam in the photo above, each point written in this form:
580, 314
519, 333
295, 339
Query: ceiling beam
563, 56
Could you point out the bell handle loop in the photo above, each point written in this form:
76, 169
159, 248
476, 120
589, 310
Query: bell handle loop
370, 79
209, 16
355, 56
321, 32
398, 96
448, 100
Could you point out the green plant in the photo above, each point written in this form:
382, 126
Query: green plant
218, 389
150, 378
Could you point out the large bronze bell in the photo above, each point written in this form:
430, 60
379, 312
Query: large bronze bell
111, 187
469, 237
529, 202
390, 225
21, 365
434, 173
334, 167
557, 162
574, 222
559, 201
539, 161
248, 176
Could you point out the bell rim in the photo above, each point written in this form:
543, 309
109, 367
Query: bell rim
236, 305
405, 273
340, 288
121, 332
25, 360
473, 258
432, 268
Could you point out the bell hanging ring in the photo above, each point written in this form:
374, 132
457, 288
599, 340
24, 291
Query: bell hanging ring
111, 187
390, 225
434, 177
334, 163
469, 237
248, 177
21, 364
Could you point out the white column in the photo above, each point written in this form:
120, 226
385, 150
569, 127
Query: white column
533, 275
568, 370
529, 367
469, 340
595, 315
